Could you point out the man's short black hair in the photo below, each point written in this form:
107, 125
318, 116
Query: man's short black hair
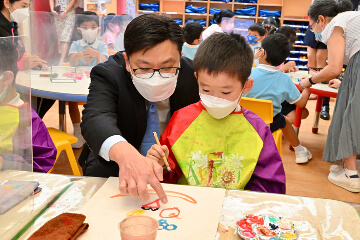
192, 31
87, 16
225, 53
8, 55
257, 27
277, 48
148, 30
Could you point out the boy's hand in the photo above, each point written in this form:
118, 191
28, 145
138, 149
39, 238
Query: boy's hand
90, 52
156, 153
87, 58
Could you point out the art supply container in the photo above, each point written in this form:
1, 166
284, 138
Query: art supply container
138, 228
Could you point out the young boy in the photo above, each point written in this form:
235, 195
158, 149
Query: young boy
88, 51
256, 33
14, 122
277, 86
215, 142
192, 36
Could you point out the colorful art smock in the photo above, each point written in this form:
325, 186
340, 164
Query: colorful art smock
236, 152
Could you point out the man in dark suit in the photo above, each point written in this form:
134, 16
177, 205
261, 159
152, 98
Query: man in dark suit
149, 75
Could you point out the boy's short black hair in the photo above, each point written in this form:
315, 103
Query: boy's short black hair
8, 56
148, 30
87, 16
225, 53
277, 48
287, 31
257, 27
192, 31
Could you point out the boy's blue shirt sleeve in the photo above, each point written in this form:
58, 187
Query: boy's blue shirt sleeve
103, 49
74, 48
293, 94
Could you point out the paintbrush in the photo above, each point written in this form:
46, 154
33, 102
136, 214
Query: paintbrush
163, 157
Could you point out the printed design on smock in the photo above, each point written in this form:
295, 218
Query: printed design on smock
8, 127
218, 152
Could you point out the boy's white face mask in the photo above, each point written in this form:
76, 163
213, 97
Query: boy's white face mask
19, 15
89, 35
218, 107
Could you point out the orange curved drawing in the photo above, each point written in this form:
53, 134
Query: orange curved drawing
168, 193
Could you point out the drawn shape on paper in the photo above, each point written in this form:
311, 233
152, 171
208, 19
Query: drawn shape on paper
153, 206
168, 193
170, 213
135, 213
163, 225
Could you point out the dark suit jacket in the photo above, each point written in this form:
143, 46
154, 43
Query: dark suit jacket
115, 107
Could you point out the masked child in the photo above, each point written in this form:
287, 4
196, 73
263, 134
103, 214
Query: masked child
215, 142
15, 144
88, 51
256, 33
271, 84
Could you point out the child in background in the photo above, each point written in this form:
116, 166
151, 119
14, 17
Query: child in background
270, 23
88, 51
256, 33
271, 84
215, 142
15, 136
192, 36
287, 109
111, 29
218, 18
124, 20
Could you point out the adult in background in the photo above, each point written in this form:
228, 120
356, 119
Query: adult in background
218, 19
131, 96
64, 15
337, 26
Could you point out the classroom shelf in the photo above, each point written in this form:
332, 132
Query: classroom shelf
297, 9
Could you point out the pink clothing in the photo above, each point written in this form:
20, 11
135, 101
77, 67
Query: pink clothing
109, 38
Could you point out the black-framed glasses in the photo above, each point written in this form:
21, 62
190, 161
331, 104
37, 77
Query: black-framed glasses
149, 72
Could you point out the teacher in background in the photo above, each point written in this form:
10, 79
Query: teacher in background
334, 24
131, 96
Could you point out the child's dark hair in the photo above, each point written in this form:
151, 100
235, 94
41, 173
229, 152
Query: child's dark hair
257, 27
192, 31
10, 1
8, 56
87, 16
277, 48
148, 30
328, 8
287, 31
223, 13
106, 19
225, 53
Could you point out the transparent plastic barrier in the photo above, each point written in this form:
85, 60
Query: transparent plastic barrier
16, 195
236, 25
55, 39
